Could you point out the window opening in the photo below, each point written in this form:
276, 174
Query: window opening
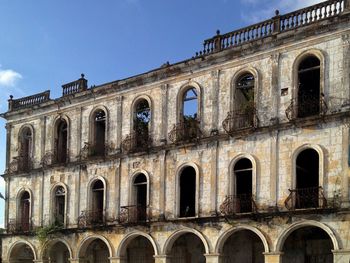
25, 150
60, 195
142, 118
188, 192
61, 141
99, 133
24, 211
190, 105
140, 188
243, 172
245, 92
97, 201
307, 179
309, 87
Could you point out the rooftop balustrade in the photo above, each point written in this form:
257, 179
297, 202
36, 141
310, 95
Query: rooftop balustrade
75, 86
28, 101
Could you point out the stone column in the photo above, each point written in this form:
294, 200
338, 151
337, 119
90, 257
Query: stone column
212, 258
164, 126
119, 120
117, 260
341, 256
275, 91
345, 202
215, 75
8, 144
214, 176
162, 179
161, 259
274, 166
345, 94
79, 131
117, 187
273, 257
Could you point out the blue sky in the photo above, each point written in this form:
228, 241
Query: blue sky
46, 43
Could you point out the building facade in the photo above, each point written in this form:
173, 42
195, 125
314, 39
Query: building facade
239, 154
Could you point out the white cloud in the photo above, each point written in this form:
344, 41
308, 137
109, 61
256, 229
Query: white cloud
9, 77
265, 9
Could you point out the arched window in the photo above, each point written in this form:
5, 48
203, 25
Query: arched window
140, 186
187, 183
244, 101
26, 148
98, 133
24, 211
189, 105
59, 205
243, 173
97, 202
308, 87
61, 141
142, 118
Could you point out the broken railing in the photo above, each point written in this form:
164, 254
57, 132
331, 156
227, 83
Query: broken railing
306, 198
133, 214
276, 25
75, 86
185, 131
28, 101
235, 204
240, 120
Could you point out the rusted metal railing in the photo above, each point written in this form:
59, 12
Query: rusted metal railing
75, 86
304, 198
240, 120
185, 131
235, 204
133, 214
137, 142
306, 106
20, 164
88, 218
28, 101
15, 226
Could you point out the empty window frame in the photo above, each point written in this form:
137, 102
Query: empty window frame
97, 201
61, 141
24, 212
244, 93
142, 118
308, 87
243, 173
140, 186
99, 133
187, 188
189, 110
59, 205
26, 148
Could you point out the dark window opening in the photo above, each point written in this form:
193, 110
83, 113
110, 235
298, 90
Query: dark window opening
190, 105
245, 92
97, 202
309, 245
61, 140
25, 212
243, 172
309, 87
140, 188
26, 145
60, 195
307, 179
99, 133
142, 118
188, 192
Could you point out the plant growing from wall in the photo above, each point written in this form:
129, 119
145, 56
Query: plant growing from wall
42, 233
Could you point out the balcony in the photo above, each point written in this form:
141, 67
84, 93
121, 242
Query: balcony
185, 131
240, 120
306, 106
238, 204
133, 214
89, 218
15, 226
306, 198
94, 150
137, 142
20, 164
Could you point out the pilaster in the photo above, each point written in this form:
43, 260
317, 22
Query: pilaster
164, 125
119, 120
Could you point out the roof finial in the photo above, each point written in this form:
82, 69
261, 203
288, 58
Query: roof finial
277, 12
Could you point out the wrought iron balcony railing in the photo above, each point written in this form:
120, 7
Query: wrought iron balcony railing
306, 106
239, 120
133, 214
137, 142
232, 205
185, 131
94, 150
20, 164
88, 218
306, 198
14, 226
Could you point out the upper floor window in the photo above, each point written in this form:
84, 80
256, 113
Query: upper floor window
97, 201
140, 186
59, 205
308, 87
187, 185
98, 133
142, 119
243, 173
190, 105
25, 149
61, 141
24, 211
244, 95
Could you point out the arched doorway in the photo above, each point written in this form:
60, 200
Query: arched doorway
140, 250
308, 245
21, 252
243, 246
57, 253
187, 248
96, 252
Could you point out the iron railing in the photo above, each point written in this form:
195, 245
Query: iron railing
306, 198
239, 120
235, 204
133, 214
14, 226
273, 26
20, 164
75, 86
306, 106
28, 101
137, 142
94, 150
91, 218
185, 131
